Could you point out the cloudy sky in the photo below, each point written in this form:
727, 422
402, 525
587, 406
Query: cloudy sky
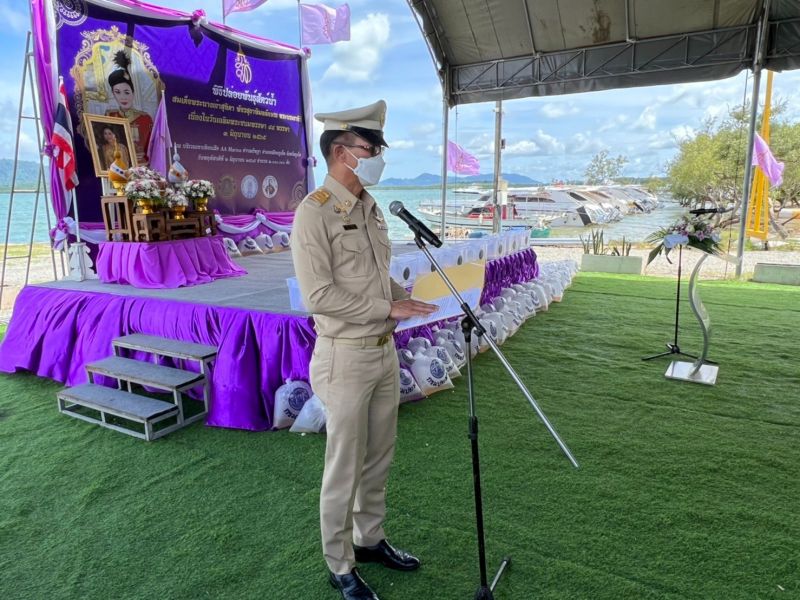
546, 138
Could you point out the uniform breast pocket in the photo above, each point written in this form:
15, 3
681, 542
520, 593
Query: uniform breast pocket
384, 249
354, 257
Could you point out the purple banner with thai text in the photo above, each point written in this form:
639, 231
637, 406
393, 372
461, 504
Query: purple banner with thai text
235, 110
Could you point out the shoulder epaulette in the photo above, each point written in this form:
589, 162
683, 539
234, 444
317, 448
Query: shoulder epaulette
320, 196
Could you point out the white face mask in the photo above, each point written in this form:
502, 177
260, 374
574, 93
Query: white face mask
368, 170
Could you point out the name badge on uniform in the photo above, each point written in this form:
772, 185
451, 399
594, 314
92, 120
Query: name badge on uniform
350, 226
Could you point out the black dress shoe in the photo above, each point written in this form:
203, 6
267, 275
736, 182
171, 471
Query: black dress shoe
388, 556
352, 587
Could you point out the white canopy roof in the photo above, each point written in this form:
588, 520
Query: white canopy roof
504, 49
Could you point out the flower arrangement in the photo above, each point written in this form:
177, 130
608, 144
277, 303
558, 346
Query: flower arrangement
136, 173
142, 189
691, 231
176, 198
198, 189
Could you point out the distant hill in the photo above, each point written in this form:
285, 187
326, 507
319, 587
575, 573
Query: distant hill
27, 172
426, 179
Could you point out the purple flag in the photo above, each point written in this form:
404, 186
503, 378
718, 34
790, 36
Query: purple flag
762, 157
160, 141
460, 161
231, 6
325, 25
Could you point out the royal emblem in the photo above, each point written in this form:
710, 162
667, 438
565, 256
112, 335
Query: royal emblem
405, 378
437, 369
297, 399
243, 71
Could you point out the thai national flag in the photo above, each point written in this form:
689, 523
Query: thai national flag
63, 150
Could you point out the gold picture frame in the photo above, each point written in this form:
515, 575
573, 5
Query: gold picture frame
103, 134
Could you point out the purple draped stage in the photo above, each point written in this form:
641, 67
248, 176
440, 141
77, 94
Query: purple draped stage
55, 332
171, 264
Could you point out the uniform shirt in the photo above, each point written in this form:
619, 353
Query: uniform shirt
341, 250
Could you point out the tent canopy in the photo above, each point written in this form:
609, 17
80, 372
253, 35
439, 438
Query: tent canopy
503, 49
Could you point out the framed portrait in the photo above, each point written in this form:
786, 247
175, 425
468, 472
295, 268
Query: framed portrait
105, 135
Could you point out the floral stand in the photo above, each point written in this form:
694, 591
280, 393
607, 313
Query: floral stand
701, 370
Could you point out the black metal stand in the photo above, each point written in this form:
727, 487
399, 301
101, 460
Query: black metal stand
470, 322
674, 348
485, 591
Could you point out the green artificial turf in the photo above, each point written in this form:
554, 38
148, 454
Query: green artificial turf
684, 491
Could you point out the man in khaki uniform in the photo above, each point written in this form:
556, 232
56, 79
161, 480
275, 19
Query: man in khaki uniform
341, 251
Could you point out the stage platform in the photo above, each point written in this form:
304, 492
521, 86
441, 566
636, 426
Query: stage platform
262, 289
59, 327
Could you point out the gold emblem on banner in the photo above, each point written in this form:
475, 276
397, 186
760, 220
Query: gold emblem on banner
243, 71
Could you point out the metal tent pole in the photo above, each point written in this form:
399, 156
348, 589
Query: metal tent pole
748, 166
445, 133
498, 126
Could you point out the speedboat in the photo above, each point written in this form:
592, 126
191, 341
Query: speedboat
481, 216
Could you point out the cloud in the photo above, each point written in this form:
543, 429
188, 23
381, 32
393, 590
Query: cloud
540, 144
553, 110
681, 133
646, 120
402, 145
425, 129
15, 20
661, 141
585, 143
613, 123
9, 110
359, 59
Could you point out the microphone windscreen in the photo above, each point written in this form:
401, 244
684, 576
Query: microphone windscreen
395, 207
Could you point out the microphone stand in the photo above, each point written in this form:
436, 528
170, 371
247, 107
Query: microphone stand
485, 591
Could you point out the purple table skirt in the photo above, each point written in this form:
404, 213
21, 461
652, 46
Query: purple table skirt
173, 264
54, 333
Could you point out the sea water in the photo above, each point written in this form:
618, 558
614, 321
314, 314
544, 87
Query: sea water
634, 227
22, 219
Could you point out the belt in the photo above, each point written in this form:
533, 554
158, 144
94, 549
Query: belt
372, 340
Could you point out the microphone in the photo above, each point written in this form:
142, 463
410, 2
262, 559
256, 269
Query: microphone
418, 227
708, 211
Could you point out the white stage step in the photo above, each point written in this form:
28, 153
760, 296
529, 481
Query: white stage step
110, 401
166, 347
128, 371
144, 373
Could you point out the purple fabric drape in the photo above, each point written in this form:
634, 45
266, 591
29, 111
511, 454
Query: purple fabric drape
54, 333
506, 271
173, 264
44, 62
280, 219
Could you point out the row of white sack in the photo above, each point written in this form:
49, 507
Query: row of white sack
404, 268
427, 368
261, 244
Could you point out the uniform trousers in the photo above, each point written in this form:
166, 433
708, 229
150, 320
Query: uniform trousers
360, 388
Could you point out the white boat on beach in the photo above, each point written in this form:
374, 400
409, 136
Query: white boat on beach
544, 206
480, 216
